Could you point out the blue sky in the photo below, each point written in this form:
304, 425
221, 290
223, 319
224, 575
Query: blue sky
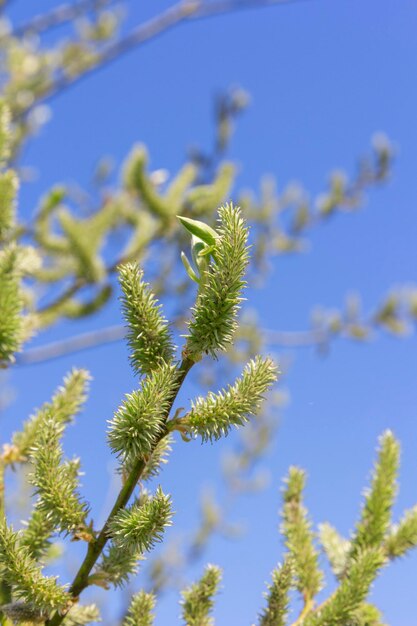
324, 76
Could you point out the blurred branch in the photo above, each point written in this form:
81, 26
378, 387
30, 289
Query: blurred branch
183, 11
113, 334
78, 343
394, 314
57, 17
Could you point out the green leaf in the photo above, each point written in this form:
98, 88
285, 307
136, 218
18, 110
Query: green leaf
199, 229
189, 268
213, 323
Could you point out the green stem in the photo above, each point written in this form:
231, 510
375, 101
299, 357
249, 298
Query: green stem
95, 548
308, 607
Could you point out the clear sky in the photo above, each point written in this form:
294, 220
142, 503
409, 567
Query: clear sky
324, 76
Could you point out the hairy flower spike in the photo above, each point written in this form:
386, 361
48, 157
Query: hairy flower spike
336, 548
56, 483
37, 533
296, 529
366, 615
8, 189
64, 406
5, 139
376, 512
214, 416
149, 337
79, 615
354, 588
21, 571
84, 239
142, 525
136, 426
197, 600
403, 536
11, 305
140, 611
277, 598
116, 566
203, 198
213, 324
138, 182
157, 459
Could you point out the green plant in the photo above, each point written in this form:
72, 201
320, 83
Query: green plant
58, 265
139, 432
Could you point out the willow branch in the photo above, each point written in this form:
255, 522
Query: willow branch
95, 548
